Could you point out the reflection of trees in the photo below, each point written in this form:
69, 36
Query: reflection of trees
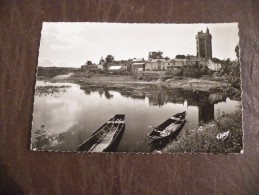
100, 91
162, 97
203, 100
86, 90
107, 94
54, 91
40, 136
44, 140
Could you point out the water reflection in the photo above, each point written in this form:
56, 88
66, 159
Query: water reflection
205, 101
75, 114
43, 140
107, 94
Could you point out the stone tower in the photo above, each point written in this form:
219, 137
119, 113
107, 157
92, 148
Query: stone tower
203, 44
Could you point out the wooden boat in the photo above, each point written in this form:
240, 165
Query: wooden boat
168, 128
106, 136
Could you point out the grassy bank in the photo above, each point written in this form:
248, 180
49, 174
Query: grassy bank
49, 89
146, 81
132, 87
204, 139
50, 72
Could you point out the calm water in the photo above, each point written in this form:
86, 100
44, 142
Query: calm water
64, 118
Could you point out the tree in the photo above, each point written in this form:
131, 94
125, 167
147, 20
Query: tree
216, 60
227, 64
180, 56
155, 55
109, 59
101, 61
89, 63
237, 53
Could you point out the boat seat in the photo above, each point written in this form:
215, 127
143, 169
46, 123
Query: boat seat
102, 143
175, 118
171, 127
116, 122
157, 129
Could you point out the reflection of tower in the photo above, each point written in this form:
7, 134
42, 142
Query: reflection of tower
206, 112
206, 109
203, 44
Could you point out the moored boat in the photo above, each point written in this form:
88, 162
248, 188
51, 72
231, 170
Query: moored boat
106, 136
168, 128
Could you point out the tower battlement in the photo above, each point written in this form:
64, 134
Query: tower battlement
203, 44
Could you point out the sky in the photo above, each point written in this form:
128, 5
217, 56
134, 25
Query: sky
72, 44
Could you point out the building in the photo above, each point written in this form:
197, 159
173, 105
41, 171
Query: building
116, 69
136, 60
158, 64
203, 59
176, 64
215, 66
193, 61
100, 66
138, 66
203, 44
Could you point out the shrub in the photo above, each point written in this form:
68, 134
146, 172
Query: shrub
166, 77
203, 139
177, 72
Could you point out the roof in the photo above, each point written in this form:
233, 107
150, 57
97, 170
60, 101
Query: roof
213, 62
179, 60
115, 68
161, 60
156, 60
138, 63
191, 57
138, 59
216, 60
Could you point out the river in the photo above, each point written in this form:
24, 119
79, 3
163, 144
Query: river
65, 115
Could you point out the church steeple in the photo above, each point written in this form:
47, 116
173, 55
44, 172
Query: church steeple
207, 31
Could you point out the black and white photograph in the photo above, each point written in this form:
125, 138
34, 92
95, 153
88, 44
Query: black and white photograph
138, 88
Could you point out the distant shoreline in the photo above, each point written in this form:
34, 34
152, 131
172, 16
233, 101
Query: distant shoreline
129, 84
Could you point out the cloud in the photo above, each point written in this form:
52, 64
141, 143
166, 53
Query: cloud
45, 62
57, 37
75, 43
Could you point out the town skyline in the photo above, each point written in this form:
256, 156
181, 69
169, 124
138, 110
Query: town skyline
73, 44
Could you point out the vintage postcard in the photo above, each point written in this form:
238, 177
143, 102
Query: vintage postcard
143, 88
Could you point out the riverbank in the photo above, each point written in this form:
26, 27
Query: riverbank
134, 86
223, 135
